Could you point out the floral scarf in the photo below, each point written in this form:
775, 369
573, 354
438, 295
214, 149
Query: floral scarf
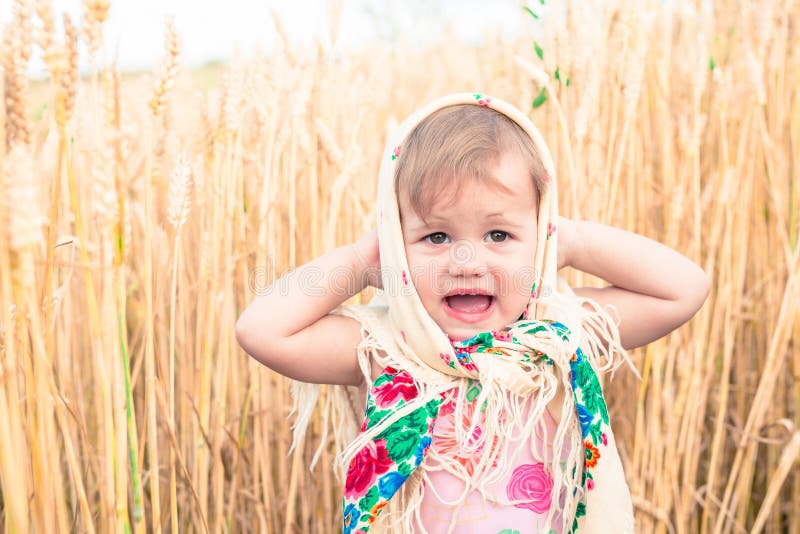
556, 342
385, 463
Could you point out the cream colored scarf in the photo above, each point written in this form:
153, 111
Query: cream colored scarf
556, 342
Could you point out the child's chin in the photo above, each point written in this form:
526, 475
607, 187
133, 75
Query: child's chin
461, 337
464, 332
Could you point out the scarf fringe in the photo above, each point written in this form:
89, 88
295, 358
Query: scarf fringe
597, 326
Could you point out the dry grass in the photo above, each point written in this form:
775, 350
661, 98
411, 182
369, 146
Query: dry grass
135, 218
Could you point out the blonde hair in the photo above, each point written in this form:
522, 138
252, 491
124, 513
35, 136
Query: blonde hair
461, 142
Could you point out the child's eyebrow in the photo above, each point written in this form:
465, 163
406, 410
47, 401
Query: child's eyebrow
504, 219
435, 219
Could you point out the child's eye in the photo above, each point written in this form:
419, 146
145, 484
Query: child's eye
436, 238
498, 236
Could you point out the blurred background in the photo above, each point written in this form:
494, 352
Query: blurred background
162, 161
133, 31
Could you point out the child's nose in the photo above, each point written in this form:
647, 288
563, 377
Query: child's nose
466, 259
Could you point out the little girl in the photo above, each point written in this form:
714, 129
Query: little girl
469, 398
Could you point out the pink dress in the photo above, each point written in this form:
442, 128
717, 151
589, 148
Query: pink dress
529, 480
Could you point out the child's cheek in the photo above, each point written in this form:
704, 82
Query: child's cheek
515, 280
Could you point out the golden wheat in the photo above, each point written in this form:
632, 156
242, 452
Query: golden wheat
125, 402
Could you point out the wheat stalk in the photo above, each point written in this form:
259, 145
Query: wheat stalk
169, 69
95, 12
16, 51
69, 78
179, 196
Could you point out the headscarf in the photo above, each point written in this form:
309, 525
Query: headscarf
555, 341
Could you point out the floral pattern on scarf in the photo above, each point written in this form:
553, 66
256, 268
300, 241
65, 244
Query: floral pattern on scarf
380, 468
444, 434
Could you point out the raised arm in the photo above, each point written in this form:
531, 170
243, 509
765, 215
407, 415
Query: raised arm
653, 288
288, 326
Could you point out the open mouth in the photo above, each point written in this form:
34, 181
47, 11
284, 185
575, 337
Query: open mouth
469, 308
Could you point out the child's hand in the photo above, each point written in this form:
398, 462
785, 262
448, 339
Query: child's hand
566, 241
369, 258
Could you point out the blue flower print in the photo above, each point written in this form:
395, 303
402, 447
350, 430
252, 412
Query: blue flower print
389, 483
584, 417
351, 515
423, 444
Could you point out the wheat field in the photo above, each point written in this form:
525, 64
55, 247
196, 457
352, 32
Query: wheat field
140, 212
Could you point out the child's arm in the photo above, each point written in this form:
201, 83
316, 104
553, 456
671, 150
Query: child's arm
289, 329
654, 288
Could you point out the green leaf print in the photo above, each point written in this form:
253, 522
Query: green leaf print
376, 416
603, 408
394, 428
508, 531
579, 512
404, 468
484, 338
416, 420
401, 444
386, 377
473, 391
585, 376
596, 432
432, 407
535, 329
591, 393
369, 500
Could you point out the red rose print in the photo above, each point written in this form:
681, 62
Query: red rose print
389, 393
371, 461
604, 438
590, 484
532, 483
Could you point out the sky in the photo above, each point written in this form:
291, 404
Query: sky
211, 30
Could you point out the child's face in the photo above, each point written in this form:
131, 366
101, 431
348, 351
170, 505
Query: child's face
482, 241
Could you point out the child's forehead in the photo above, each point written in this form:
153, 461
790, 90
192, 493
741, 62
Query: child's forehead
507, 182
490, 197
453, 214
